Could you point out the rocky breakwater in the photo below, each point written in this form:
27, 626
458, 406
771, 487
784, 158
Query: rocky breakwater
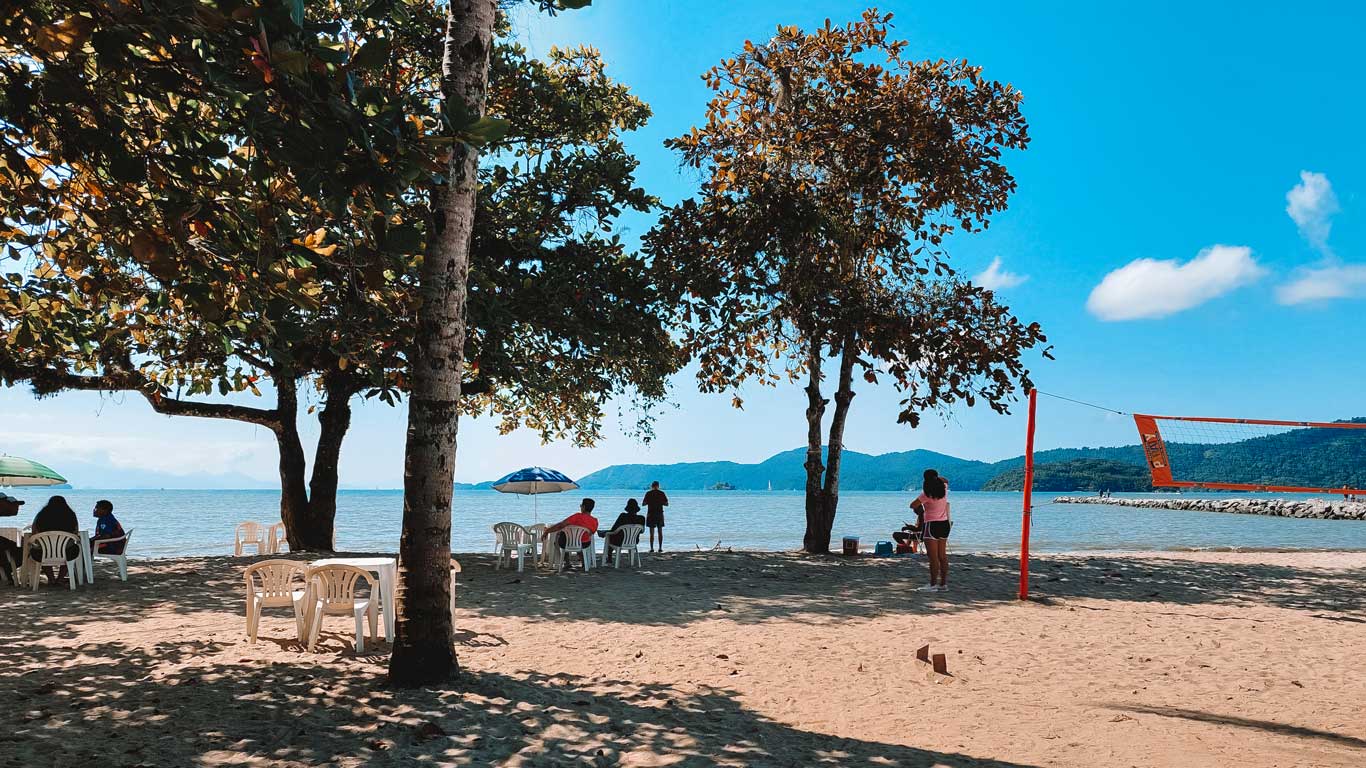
1314, 509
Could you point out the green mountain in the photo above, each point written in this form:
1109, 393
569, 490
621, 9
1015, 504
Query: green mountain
858, 472
1076, 475
1306, 457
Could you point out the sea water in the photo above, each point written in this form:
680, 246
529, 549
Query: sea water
180, 522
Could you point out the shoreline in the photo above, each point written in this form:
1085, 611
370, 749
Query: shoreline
1307, 509
865, 554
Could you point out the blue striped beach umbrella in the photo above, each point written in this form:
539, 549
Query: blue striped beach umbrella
533, 481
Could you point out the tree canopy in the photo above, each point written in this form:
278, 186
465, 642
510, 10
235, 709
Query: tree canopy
834, 172
229, 259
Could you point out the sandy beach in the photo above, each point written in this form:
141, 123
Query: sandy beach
743, 659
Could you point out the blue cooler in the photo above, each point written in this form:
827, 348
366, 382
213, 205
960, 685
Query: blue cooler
884, 549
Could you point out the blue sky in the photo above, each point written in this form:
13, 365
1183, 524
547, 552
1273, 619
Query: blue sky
1189, 229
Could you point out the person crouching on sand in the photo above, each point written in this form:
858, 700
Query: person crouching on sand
933, 504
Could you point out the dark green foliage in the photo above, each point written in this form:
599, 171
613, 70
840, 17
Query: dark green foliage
1076, 475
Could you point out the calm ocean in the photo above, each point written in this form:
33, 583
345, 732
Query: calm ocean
171, 523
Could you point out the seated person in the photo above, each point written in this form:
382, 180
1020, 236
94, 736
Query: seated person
583, 517
106, 527
908, 538
631, 516
56, 515
9, 506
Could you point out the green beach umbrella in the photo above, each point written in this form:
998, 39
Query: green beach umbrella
15, 471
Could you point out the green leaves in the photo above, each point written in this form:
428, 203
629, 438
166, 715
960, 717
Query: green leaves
485, 130
834, 172
374, 54
470, 128
296, 11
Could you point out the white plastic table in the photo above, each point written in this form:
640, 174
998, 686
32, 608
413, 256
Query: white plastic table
386, 568
87, 559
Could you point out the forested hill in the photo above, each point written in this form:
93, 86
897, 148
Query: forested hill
1310, 457
1077, 475
859, 471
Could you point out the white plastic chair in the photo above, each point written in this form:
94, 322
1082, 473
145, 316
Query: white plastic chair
121, 559
509, 538
574, 536
276, 584
630, 542
333, 592
537, 531
52, 546
277, 540
455, 569
250, 534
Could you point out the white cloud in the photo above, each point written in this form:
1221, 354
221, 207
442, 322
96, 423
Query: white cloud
1150, 288
1312, 204
1322, 283
993, 278
181, 457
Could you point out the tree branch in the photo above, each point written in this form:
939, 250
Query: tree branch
47, 381
172, 407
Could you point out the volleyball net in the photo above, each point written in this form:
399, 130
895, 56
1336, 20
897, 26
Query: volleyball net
1208, 453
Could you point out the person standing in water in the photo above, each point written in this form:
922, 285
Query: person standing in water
655, 502
933, 503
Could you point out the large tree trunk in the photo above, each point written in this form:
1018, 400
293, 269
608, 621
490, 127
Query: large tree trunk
424, 651
815, 497
844, 394
303, 528
334, 420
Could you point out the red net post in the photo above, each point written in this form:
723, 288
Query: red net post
1028, 497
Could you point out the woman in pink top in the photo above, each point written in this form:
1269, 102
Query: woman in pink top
933, 505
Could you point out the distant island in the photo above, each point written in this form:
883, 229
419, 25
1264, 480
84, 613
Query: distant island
1311, 457
722, 486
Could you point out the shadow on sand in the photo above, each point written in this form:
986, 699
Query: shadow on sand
745, 587
109, 704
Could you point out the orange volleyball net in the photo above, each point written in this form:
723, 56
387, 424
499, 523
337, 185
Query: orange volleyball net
1219, 454
1206, 453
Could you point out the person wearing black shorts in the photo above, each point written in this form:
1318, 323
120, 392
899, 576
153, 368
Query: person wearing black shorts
933, 503
938, 529
655, 502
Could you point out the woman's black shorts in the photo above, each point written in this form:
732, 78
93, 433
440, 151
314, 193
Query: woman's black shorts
938, 529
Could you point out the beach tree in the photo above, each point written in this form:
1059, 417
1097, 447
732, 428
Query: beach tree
835, 170
107, 322
187, 187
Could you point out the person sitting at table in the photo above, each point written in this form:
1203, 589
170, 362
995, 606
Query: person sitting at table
631, 516
583, 517
106, 527
56, 515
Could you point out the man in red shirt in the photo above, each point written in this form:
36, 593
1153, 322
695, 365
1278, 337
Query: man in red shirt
583, 517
